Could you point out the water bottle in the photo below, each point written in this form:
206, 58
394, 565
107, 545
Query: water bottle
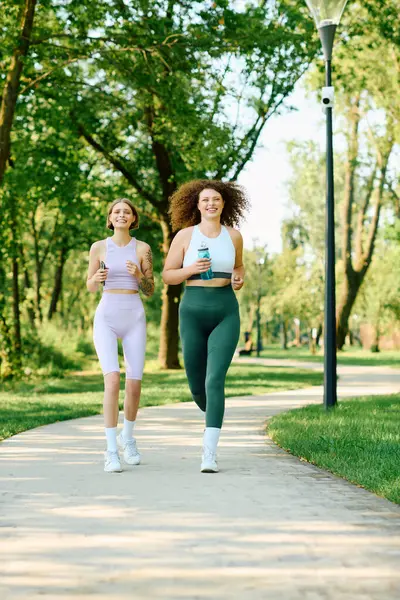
204, 253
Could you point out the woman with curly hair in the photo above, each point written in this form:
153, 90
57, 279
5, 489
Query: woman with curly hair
123, 265
207, 254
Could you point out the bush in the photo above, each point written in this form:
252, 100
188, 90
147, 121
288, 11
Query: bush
85, 346
54, 350
46, 358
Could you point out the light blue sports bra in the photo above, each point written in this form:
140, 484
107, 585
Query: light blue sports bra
222, 252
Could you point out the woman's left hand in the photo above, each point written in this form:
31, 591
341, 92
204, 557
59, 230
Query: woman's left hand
133, 269
237, 282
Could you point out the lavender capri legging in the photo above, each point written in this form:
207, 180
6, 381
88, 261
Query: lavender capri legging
120, 316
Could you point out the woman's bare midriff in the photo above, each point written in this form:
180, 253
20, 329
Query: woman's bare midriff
217, 282
120, 291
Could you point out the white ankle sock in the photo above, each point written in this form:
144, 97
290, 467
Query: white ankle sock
111, 437
211, 438
127, 431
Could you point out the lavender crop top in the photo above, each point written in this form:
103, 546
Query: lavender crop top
118, 277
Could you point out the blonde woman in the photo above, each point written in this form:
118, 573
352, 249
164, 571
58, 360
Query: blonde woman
122, 265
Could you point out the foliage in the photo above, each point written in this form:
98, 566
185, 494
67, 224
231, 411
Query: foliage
366, 173
132, 98
124, 98
258, 275
379, 301
305, 227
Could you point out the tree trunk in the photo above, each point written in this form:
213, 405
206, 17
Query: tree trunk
6, 349
283, 335
351, 285
169, 330
252, 314
10, 90
16, 307
354, 274
297, 334
57, 283
38, 270
6, 344
375, 345
27, 286
319, 334
38, 294
377, 327
17, 316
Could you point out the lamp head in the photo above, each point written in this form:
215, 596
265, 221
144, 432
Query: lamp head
327, 14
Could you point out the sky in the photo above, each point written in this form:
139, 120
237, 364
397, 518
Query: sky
266, 176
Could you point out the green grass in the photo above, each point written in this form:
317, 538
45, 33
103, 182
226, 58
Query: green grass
358, 440
26, 405
348, 356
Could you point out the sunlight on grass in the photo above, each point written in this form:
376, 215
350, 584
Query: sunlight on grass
348, 356
30, 404
358, 440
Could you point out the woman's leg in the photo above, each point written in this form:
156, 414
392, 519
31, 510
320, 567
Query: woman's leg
194, 338
105, 341
221, 348
222, 344
112, 462
106, 344
126, 440
134, 345
133, 388
111, 409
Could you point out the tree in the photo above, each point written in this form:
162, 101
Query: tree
379, 301
257, 283
19, 47
294, 291
159, 104
384, 16
305, 227
13, 78
368, 81
369, 116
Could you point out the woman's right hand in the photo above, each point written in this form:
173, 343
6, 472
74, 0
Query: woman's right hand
100, 276
201, 266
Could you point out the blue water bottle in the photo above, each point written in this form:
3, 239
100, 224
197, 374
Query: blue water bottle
204, 253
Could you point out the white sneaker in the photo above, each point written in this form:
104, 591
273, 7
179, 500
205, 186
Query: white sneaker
209, 461
112, 464
131, 453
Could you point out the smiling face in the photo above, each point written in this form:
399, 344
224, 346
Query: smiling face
210, 204
121, 216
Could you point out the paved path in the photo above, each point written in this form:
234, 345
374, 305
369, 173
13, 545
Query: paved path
266, 527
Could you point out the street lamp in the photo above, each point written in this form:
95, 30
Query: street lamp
327, 15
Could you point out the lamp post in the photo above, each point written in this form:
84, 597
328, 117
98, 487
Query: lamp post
327, 14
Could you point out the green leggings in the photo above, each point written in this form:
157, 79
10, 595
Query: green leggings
209, 327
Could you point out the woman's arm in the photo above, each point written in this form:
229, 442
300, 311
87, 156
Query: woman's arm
173, 272
145, 277
238, 271
95, 274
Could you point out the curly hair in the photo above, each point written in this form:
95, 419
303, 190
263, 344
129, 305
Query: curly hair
183, 203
